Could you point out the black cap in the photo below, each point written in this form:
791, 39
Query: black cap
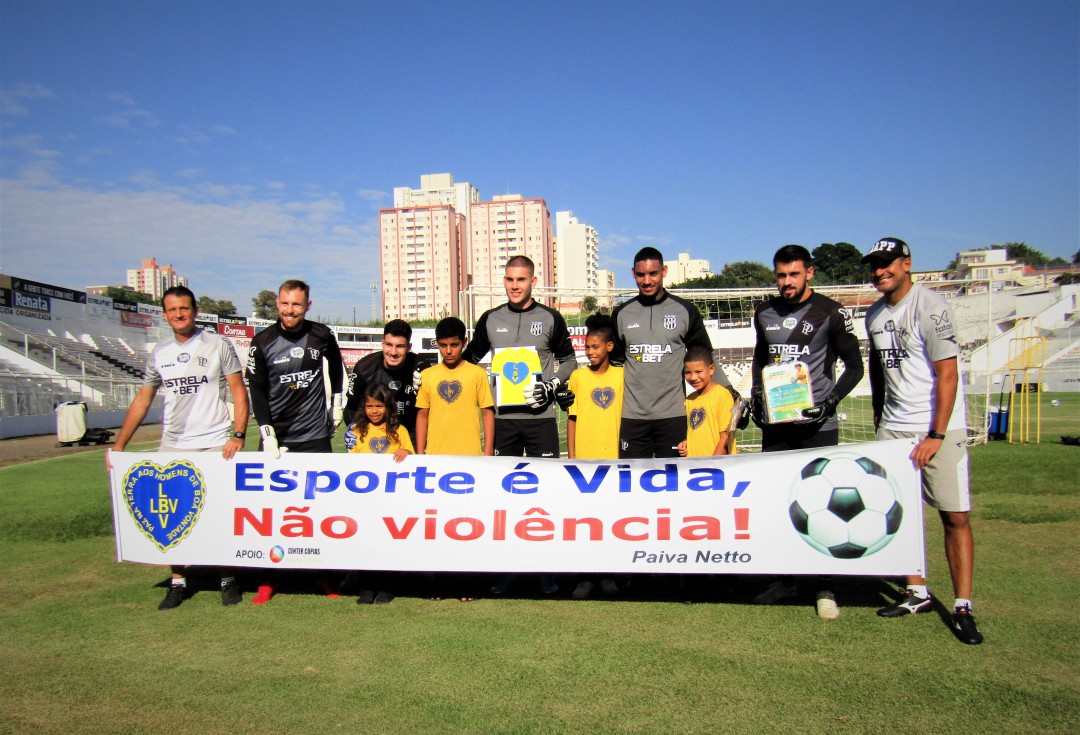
886, 250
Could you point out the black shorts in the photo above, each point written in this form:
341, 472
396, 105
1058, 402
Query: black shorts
783, 437
647, 438
526, 438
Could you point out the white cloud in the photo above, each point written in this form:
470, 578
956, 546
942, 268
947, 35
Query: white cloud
13, 100
130, 120
371, 195
229, 243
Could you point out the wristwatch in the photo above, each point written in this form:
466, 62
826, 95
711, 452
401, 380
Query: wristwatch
239, 435
935, 435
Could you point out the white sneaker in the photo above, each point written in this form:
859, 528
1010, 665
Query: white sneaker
774, 593
827, 609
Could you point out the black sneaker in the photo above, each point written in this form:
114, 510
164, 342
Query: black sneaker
230, 594
911, 604
384, 597
177, 593
963, 626
366, 597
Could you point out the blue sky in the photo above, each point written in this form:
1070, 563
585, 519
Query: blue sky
248, 142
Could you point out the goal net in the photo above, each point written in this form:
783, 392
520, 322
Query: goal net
728, 315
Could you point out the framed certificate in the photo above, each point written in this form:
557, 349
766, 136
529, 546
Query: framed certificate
787, 391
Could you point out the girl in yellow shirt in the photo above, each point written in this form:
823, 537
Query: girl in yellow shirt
378, 429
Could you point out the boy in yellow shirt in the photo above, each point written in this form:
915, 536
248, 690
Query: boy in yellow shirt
454, 400
592, 426
710, 415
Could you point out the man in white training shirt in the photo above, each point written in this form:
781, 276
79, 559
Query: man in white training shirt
197, 371
918, 394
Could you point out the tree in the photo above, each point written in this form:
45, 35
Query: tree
208, 305
588, 304
1020, 252
138, 297
264, 306
747, 273
839, 263
1076, 257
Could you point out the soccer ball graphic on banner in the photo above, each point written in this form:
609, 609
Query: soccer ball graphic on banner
845, 506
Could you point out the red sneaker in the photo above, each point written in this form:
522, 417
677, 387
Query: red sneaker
329, 589
266, 591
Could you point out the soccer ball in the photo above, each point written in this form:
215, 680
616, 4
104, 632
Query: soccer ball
845, 506
1055, 403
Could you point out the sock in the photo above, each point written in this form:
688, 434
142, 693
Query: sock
961, 602
920, 590
179, 582
227, 580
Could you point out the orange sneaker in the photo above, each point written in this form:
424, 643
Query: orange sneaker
329, 589
266, 591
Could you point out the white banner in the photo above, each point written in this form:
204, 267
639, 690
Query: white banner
853, 509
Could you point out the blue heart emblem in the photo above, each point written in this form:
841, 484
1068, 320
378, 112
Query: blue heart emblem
165, 502
379, 444
515, 372
449, 390
603, 397
697, 417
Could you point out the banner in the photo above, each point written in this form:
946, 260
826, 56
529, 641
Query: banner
853, 509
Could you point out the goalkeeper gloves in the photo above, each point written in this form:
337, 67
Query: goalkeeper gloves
416, 380
757, 407
542, 393
565, 398
820, 413
270, 443
350, 439
336, 410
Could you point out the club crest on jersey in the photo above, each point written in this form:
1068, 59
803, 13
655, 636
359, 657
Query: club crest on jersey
202, 361
697, 417
379, 444
790, 322
314, 352
296, 352
449, 390
183, 357
671, 321
807, 328
165, 502
536, 329
603, 397
890, 326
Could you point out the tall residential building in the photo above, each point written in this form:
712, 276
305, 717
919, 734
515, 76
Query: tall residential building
421, 260
508, 225
437, 189
606, 283
154, 279
577, 260
685, 268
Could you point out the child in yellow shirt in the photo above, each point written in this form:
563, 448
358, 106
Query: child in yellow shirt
592, 426
454, 400
378, 428
709, 409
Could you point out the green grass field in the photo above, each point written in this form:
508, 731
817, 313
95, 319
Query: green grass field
84, 649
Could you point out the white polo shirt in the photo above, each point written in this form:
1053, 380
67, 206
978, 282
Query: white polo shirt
908, 339
191, 376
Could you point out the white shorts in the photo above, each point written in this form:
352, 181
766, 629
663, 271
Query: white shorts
945, 483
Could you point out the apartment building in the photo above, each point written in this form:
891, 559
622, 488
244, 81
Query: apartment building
154, 279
